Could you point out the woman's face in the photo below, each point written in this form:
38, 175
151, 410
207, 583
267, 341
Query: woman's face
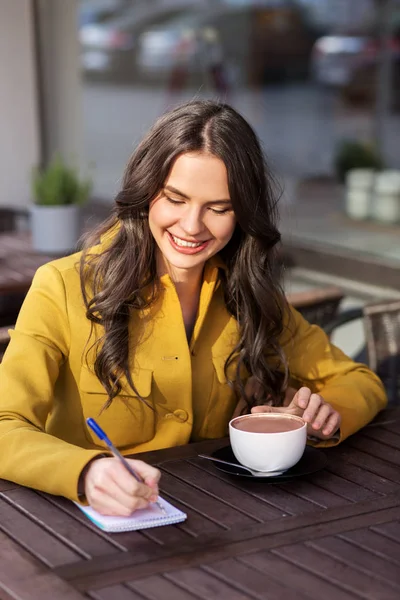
192, 218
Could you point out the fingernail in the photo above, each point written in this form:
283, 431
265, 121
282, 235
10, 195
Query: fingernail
153, 498
316, 425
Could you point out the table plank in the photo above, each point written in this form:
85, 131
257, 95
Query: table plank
271, 494
295, 577
159, 586
115, 592
361, 476
376, 449
378, 466
340, 486
206, 504
389, 438
24, 578
47, 548
201, 584
390, 530
87, 539
337, 571
253, 582
236, 498
374, 540
306, 490
363, 559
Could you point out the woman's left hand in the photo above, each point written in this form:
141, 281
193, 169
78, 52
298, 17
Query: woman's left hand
323, 420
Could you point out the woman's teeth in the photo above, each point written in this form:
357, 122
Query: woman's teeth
180, 242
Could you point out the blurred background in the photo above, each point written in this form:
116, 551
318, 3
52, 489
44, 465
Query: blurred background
319, 80
90, 76
304, 72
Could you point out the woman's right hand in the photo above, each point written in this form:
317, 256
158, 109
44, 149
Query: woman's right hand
112, 490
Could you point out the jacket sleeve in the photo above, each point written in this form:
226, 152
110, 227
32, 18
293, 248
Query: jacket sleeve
29, 370
351, 388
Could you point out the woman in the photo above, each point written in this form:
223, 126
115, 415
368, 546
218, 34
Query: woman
162, 326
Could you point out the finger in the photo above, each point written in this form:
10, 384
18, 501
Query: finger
312, 409
322, 416
106, 504
111, 486
114, 471
332, 424
149, 474
264, 408
301, 398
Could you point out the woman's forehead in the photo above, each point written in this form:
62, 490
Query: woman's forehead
198, 175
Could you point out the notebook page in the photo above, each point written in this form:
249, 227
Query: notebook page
140, 519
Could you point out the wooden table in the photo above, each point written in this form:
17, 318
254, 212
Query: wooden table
335, 534
18, 262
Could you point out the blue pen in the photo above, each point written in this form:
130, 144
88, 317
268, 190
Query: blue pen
103, 437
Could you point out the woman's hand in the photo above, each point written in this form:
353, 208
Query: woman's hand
112, 490
323, 420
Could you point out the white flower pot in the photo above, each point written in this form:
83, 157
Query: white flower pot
358, 204
55, 229
359, 185
386, 204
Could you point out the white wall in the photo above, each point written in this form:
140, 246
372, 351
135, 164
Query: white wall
19, 135
61, 79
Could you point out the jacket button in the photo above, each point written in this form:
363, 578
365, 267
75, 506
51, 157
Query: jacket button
181, 415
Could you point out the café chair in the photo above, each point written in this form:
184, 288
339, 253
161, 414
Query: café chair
4, 340
382, 341
318, 306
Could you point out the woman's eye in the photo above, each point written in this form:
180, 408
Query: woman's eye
220, 211
173, 201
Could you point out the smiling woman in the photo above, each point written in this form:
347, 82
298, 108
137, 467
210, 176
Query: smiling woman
171, 320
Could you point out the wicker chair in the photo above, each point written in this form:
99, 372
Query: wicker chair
382, 333
319, 306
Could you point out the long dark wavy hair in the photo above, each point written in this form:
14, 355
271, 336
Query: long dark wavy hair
117, 280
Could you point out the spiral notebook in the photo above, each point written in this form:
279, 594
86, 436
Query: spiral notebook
140, 519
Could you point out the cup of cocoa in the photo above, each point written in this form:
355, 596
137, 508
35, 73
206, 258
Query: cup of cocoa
268, 442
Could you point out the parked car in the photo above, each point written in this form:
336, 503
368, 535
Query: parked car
108, 47
334, 58
350, 63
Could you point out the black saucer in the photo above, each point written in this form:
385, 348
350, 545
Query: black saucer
312, 460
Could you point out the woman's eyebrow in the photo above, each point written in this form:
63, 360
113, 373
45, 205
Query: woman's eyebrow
175, 191
170, 188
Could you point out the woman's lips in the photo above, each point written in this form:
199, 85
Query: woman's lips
186, 249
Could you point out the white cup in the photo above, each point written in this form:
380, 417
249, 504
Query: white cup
268, 452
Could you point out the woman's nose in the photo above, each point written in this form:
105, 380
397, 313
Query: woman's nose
191, 221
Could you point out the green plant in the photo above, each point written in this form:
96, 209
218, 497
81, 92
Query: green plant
59, 185
352, 154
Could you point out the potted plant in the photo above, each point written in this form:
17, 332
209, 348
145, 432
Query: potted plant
353, 154
58, 193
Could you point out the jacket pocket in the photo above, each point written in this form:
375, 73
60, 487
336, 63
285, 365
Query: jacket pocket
221, 404
128, 421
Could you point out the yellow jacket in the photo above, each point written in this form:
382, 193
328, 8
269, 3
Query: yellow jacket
47, 390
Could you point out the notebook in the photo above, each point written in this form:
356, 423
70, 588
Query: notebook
140, 519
